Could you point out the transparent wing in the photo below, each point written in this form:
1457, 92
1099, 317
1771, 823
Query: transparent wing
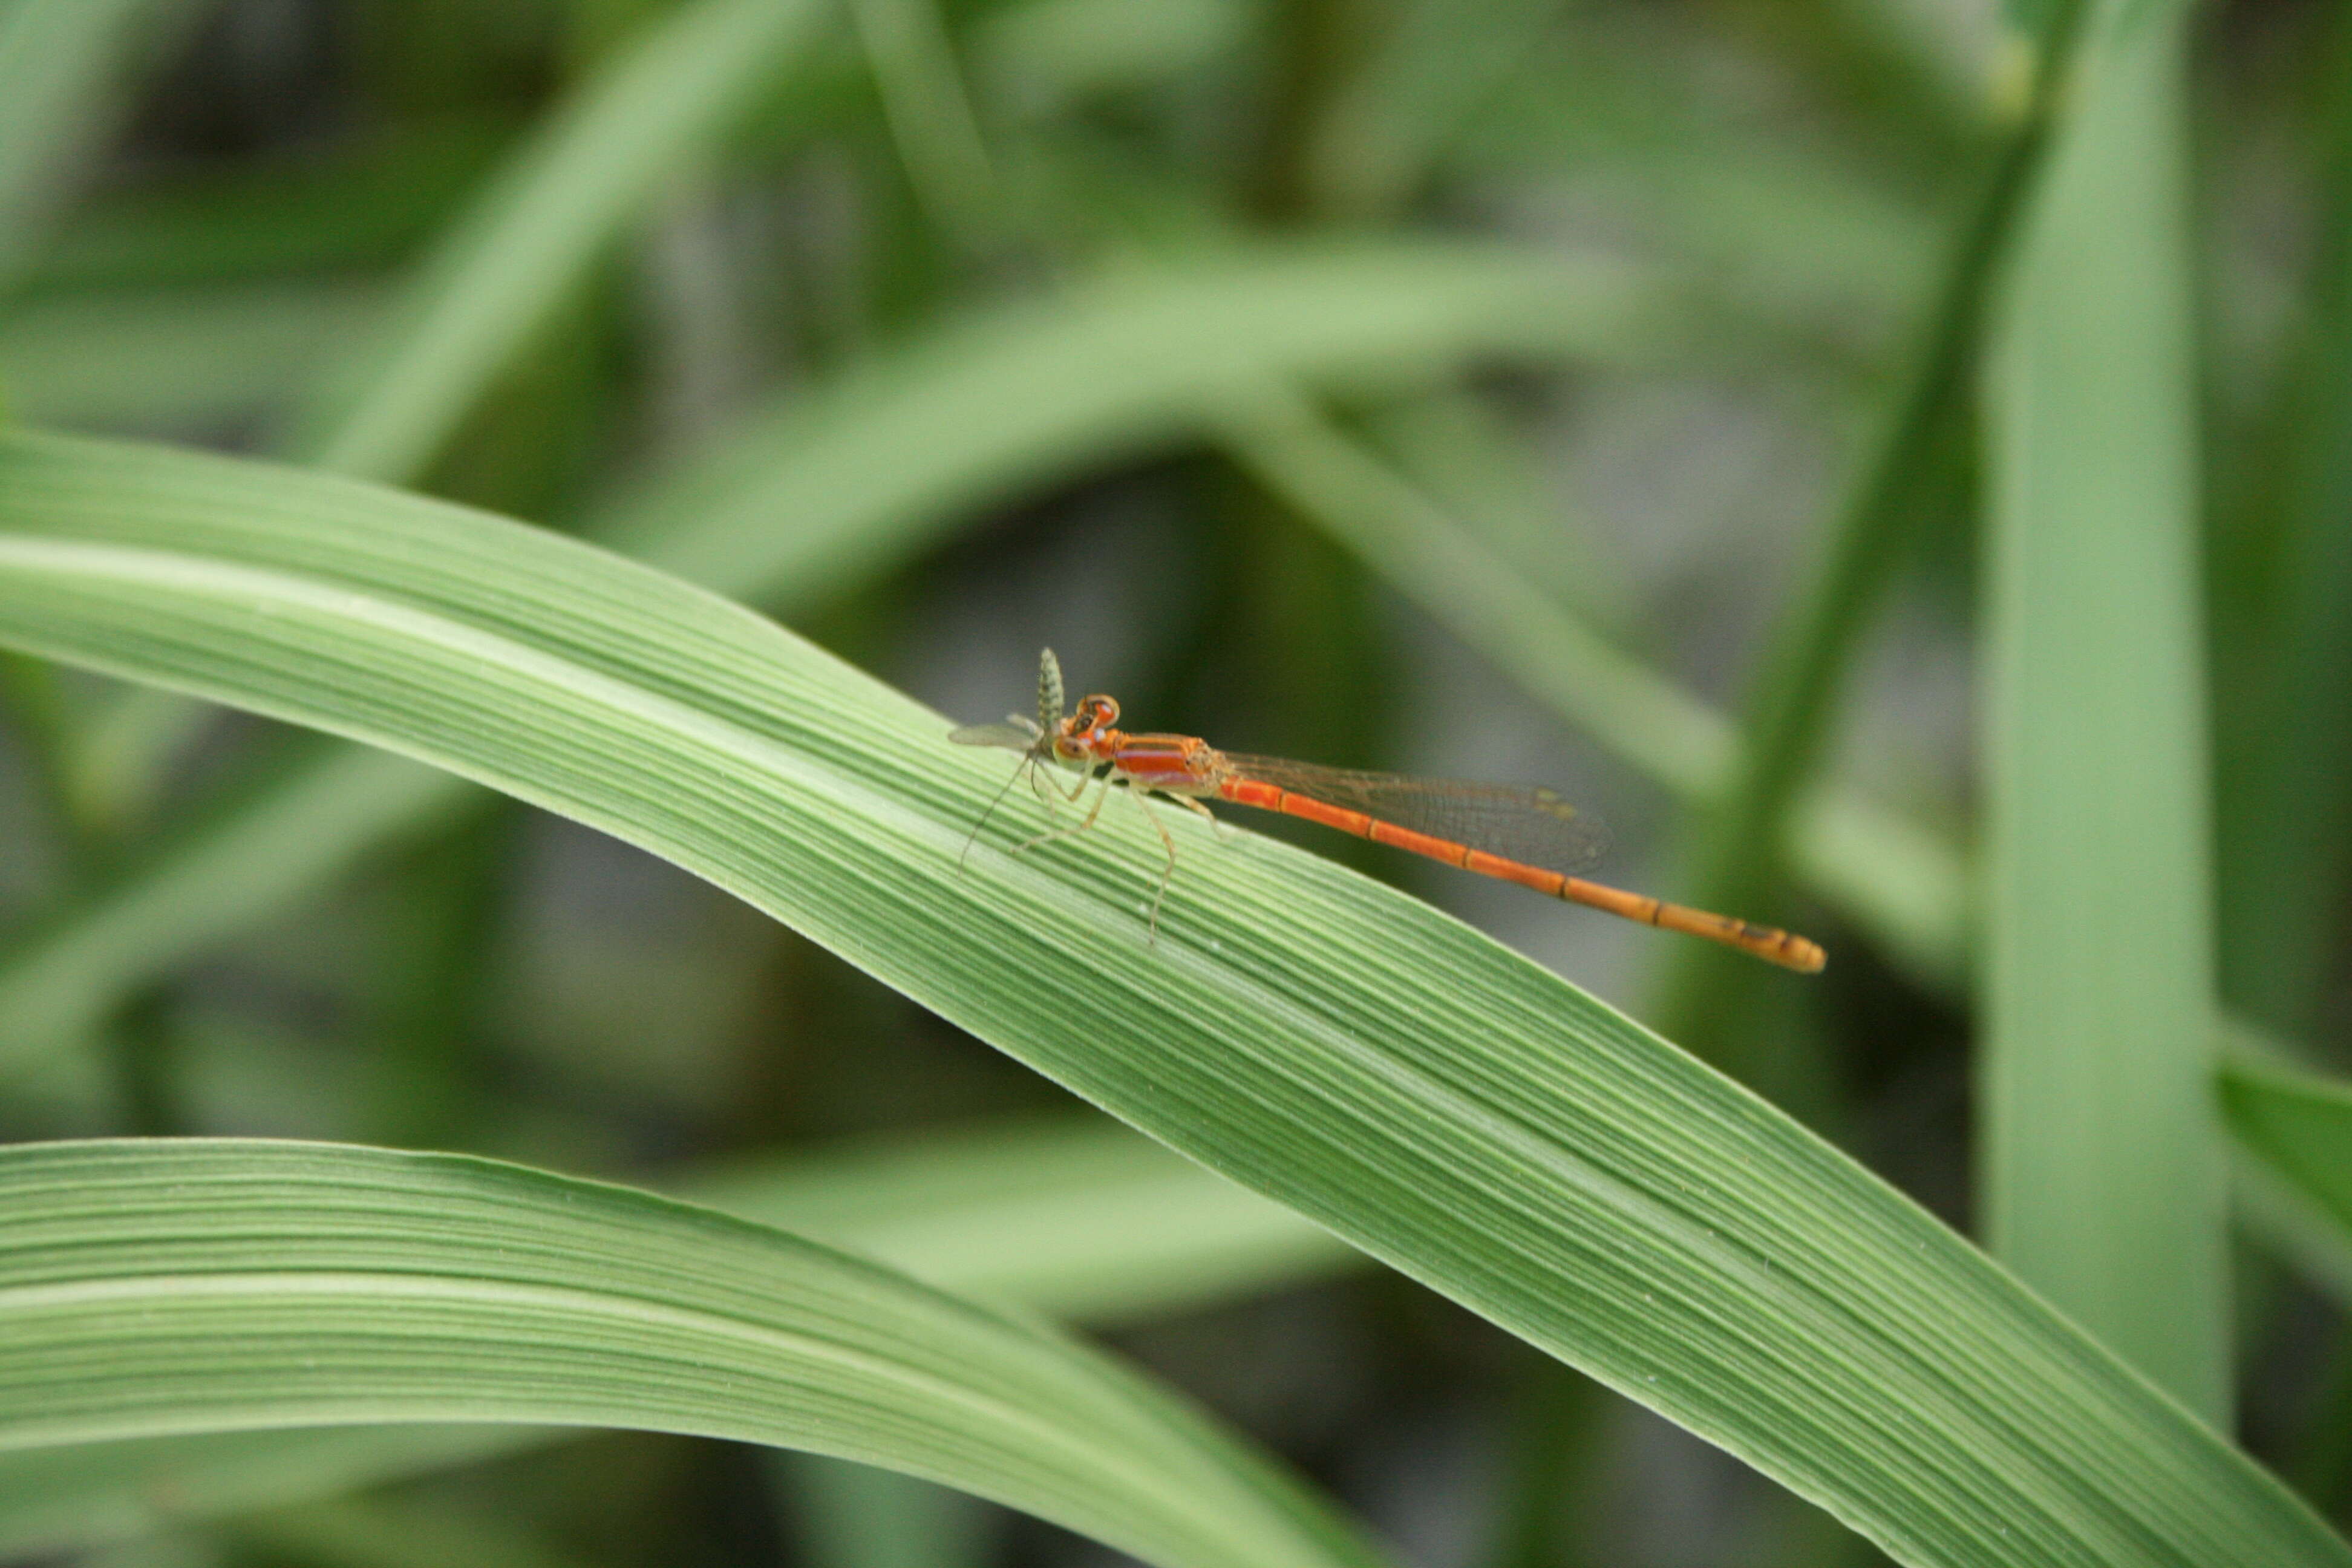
1519, 822
1014, 735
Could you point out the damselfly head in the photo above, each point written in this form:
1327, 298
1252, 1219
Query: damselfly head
1086, 727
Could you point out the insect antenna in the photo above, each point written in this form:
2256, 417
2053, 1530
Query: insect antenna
1026, 768
1049, 691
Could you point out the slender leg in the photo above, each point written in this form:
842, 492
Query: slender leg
1167, 872
1027, 769
1050, 794
1047, 797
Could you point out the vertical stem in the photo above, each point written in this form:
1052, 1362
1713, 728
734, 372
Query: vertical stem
2103, 1175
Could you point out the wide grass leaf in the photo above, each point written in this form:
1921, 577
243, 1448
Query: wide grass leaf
148, 1288
1077, 1218
1444, 1104
2102, 1170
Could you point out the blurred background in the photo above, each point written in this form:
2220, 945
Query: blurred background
1462, 386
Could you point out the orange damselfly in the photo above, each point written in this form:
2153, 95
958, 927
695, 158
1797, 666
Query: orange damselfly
1518, 834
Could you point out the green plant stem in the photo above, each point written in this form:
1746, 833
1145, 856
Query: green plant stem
1739, 849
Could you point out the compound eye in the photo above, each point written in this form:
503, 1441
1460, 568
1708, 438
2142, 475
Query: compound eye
1100, 711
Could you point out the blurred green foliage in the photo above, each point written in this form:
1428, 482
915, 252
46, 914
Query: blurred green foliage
1495, 388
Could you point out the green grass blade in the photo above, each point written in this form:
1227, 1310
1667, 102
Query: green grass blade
1465, 1115
153, 1287
929, 114
1078, 1219
2101, 1160
545, 218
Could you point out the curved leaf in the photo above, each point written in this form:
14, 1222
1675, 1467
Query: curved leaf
1444, 1104
1075, 1218
151, 1288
